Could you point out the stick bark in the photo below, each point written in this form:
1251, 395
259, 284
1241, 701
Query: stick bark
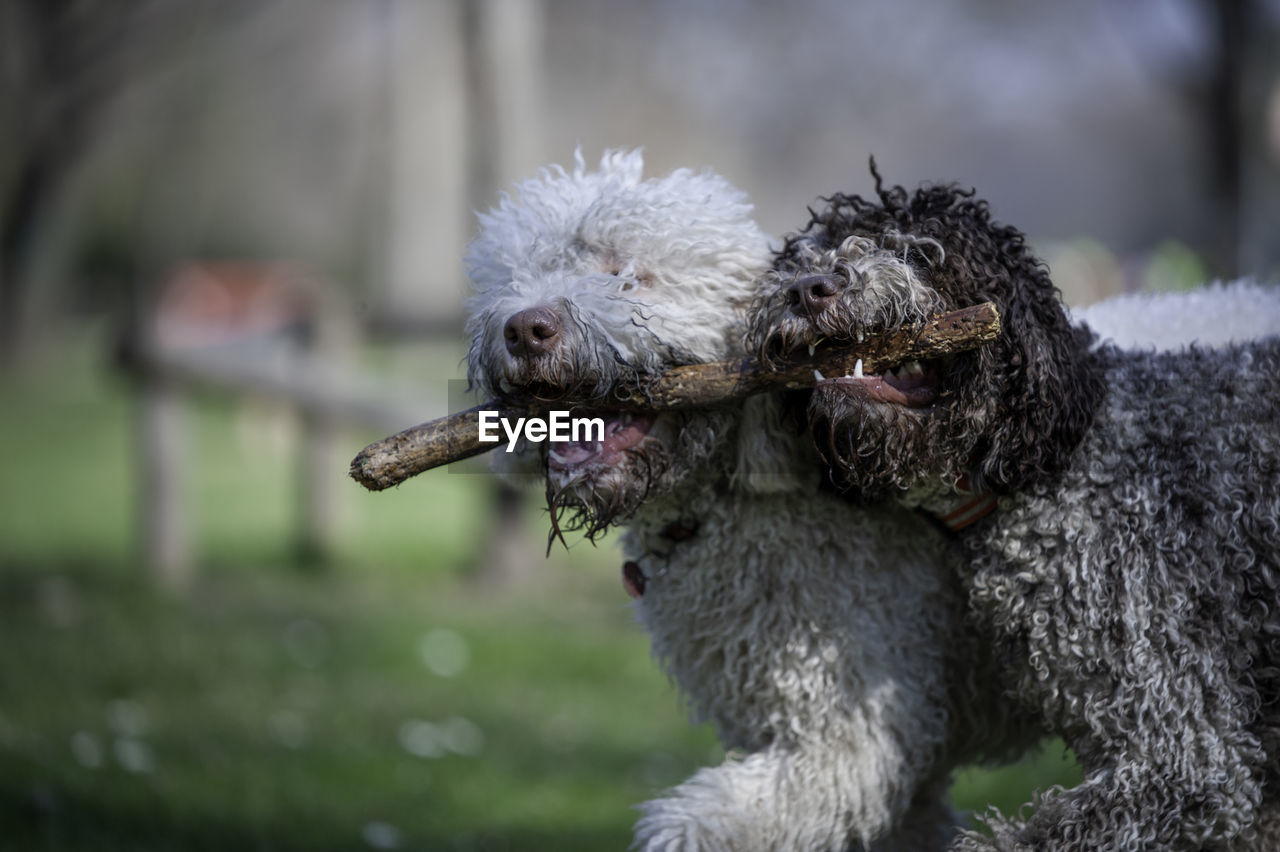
420, 448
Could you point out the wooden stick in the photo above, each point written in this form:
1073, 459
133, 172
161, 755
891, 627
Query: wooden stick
420, 448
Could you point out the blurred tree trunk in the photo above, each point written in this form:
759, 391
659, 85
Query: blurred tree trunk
37, 177
1225, 129
64, 61
1258, 249
47, 128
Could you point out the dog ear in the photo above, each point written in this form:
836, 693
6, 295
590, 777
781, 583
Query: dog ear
774, 456
1044, 387
1032, 393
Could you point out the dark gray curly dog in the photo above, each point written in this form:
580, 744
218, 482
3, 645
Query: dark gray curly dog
1115, 514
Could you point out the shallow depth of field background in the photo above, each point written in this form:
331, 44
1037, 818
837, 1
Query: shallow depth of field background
209, 637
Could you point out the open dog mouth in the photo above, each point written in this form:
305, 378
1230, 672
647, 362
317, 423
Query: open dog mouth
622, 432
913, 384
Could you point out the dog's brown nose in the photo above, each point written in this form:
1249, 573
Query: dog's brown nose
532, 332
810, 295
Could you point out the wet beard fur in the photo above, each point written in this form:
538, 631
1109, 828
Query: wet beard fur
655, 468
576, 506
876, 450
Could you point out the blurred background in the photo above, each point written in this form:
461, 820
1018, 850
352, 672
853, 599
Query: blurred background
230, 255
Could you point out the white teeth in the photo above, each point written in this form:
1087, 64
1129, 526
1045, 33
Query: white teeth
626, 420
860, 337
911, 368
812, 348
556, 456
857, 369
819, 376
599, 447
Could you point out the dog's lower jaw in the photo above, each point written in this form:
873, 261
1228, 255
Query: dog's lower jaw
678, 451
879, 451
600, 493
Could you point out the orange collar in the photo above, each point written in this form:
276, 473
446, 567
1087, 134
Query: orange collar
972, 506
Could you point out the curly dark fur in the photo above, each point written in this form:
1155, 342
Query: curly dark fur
1133, 601
1129, 579
1010, 413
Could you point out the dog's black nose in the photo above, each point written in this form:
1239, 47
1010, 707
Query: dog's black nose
531, 332
810, 295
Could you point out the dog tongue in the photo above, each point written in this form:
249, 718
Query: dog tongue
906, 382
619, 435
910, 391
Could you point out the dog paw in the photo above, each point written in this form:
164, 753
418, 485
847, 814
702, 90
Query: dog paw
671, 825
670, 838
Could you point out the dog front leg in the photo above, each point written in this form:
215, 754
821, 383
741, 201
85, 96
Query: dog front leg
1132, 807
818, 798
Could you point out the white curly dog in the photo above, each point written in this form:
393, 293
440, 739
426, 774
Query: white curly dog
825, 643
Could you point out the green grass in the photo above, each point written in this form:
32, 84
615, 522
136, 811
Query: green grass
275, 706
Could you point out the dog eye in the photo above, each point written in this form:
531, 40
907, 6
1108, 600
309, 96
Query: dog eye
631, 278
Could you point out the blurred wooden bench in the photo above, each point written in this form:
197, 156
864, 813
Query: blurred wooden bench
267, 331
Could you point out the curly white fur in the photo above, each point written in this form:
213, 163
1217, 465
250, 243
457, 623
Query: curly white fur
817, 640
647, 266
1221, 313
